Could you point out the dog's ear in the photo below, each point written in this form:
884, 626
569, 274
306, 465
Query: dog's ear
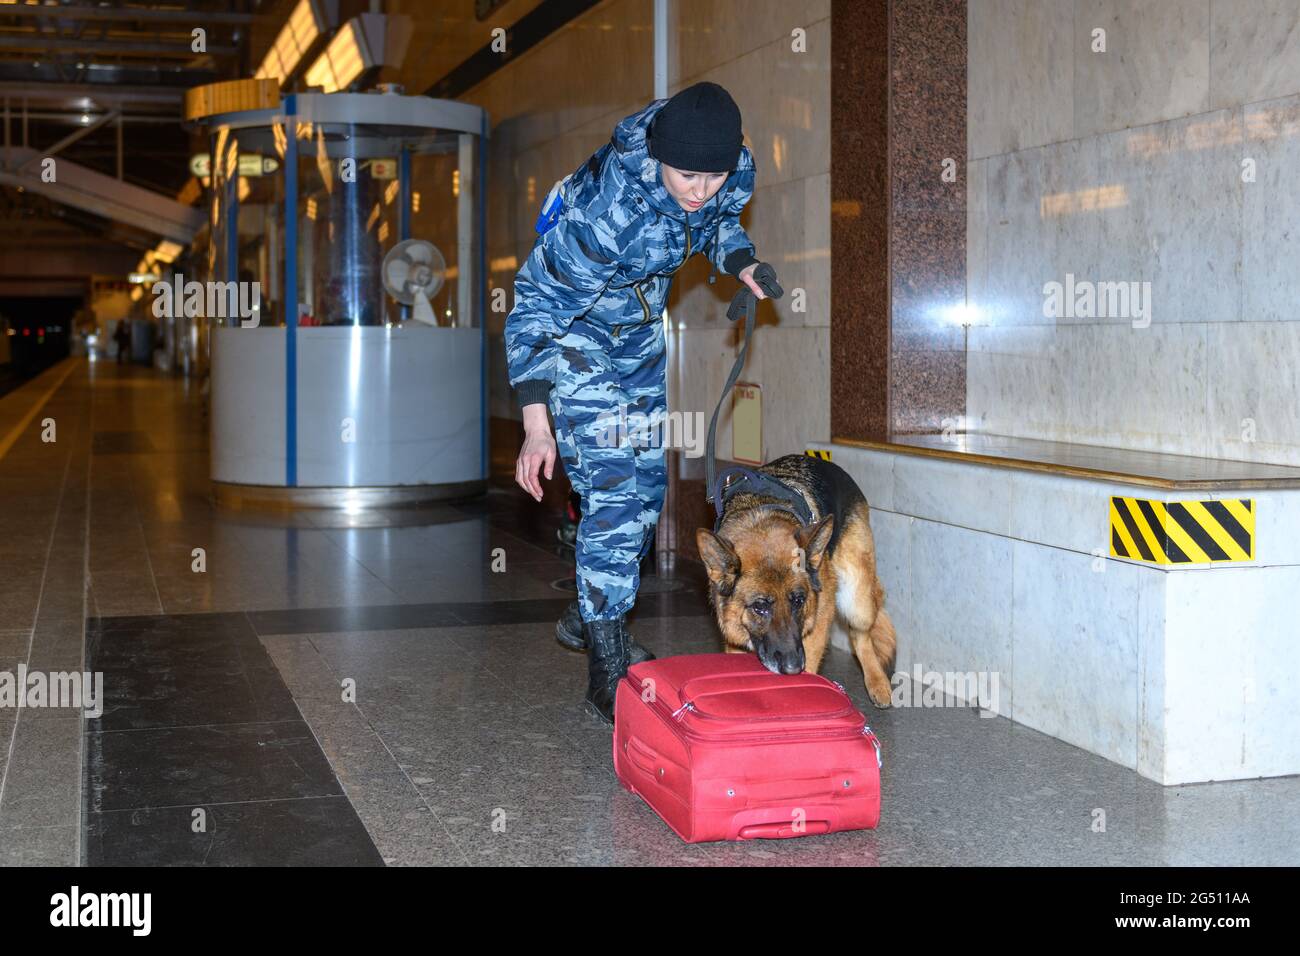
814, 538
720, 560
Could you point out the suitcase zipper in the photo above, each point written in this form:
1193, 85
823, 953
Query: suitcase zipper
690, 705
780, 738
875, 742
754, 720
676, 716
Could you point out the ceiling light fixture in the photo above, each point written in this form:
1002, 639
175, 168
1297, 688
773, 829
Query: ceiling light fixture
304, 25
346, 58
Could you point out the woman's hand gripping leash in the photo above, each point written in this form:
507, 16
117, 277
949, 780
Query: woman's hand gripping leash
760, 279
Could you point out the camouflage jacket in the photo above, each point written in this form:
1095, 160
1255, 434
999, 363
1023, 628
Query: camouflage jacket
611, 256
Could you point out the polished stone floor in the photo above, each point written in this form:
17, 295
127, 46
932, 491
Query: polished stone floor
225, 737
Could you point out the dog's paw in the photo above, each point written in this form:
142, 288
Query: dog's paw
879, 692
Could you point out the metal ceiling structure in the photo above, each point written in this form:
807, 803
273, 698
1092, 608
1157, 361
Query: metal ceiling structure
73, 40
100, 84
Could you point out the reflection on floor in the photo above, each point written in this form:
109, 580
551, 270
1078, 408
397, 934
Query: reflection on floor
225, 737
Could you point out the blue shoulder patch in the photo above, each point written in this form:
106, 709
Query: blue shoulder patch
551, 209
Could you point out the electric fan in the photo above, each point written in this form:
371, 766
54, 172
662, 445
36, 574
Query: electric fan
414, 270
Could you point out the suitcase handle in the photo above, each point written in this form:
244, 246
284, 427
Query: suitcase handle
641, 756
783, 830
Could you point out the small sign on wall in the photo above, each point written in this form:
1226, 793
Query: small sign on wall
747, 424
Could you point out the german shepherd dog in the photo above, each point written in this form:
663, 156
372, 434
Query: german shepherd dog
763, 564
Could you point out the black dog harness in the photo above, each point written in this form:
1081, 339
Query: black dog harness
737, 478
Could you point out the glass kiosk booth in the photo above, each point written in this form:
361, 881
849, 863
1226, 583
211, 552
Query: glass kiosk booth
325, 391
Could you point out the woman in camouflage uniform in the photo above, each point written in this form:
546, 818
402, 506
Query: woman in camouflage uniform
585, 338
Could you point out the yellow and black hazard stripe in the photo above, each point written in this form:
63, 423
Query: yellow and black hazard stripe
823, 453
1182, 532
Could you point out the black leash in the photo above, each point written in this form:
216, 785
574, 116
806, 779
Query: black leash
755, 482
743, 303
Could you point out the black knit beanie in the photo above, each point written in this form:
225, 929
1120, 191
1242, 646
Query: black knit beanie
698, 130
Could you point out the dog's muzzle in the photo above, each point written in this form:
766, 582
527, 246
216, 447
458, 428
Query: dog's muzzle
778, 661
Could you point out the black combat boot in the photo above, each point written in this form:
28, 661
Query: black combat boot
607, 662
569, 632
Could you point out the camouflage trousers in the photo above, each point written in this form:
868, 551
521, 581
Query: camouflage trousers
609, 403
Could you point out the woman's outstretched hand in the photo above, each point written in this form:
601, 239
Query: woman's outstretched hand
538, 452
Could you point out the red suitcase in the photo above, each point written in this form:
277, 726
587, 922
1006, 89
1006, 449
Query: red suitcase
723, 749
